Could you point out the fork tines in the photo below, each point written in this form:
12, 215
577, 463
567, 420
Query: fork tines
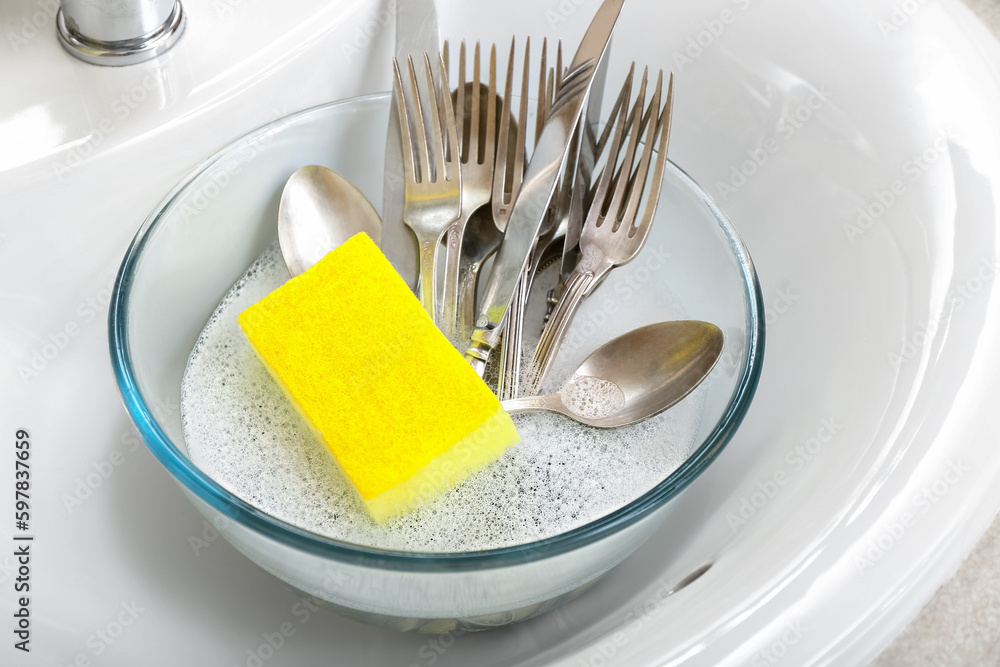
623, 183
414, 130
509, 173
513, 126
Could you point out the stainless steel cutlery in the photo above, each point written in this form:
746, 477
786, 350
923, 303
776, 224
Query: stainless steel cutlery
583, 199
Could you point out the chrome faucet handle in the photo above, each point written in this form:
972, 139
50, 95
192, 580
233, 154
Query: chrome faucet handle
119, 32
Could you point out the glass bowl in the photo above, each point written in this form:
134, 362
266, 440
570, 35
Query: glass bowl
202, 237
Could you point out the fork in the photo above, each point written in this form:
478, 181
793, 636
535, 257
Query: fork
486, 228
591, 151
508, 380
477, 146
433, 181
610, 235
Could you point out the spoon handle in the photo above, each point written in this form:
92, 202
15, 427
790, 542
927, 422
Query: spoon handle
550, 403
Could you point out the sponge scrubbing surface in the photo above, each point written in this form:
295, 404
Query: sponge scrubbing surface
401, 410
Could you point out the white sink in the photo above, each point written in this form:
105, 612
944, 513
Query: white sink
857, 483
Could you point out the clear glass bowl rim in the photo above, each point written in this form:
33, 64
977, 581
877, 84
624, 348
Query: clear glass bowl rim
283, 532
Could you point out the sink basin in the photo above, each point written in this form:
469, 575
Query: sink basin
878, 385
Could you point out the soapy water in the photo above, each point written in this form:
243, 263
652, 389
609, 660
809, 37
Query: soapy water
243, 432
592, 398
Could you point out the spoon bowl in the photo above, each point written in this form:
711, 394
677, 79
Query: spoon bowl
319, 210
635, 376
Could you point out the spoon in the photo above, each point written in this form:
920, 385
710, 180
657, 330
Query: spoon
319, 210
635, 376
481, 240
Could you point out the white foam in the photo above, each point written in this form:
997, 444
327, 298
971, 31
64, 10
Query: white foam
243, 432
592, 398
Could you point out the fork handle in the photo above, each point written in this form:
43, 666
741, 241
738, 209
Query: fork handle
428, 276
510, 349
467, 284
577, 288
452, 274
484, 340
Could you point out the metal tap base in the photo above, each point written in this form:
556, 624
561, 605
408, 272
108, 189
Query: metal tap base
123, 51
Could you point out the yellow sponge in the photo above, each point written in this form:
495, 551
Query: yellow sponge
401, 410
